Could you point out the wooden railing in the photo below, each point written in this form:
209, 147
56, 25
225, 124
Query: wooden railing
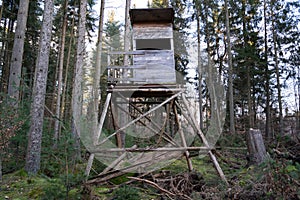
145, 66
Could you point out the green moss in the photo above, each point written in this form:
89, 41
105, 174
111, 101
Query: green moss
122, 179
127, 192
20, 186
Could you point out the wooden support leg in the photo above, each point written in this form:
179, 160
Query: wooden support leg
140, 117
97, 134
187, 153
116, 125
203, 138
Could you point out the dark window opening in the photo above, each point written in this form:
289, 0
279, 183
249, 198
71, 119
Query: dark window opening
153, 44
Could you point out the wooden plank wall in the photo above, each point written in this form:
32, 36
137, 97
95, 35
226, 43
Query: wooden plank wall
160, 67
152, 31
149, 66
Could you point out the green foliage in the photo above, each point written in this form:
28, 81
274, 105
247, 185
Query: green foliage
159, 4
21, 186
14, 124
126, 192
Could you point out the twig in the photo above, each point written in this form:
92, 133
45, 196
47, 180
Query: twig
153, 184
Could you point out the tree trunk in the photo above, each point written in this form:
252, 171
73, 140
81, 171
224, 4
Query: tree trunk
0, 168
60, 75
274, 33
127, 37
64, 101
249, 72
7, 45
1, 10
17, 54
267, 77
77, 87
33, 155
199, 68
256, 147
96, 85
230, 82
98, 70
127, 40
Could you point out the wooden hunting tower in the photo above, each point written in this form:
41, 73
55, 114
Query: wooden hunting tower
152, 58
151, 120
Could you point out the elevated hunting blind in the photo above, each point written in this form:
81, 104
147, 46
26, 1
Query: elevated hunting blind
150, 120
152, 58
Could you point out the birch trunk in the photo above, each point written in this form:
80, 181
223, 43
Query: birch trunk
17, 53
33, 155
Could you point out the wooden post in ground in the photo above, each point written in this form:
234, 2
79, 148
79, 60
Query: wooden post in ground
204, 140
256, 147
184, 144
97, 134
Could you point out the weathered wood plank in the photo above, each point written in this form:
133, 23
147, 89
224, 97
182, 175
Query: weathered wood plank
147, 25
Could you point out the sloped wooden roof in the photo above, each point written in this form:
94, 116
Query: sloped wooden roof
149, 15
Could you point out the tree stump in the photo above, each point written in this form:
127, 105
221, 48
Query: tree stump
256, 147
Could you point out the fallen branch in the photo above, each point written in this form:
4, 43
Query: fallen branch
153, 184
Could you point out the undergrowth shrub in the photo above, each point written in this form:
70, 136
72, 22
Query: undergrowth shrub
126, 192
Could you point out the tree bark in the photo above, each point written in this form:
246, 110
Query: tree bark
65, 101
199, 68
127, 37
60, 75
98, 70
256, 147
267, 77
230, 82
33, 155
274, 33
17, 53
77, 87
96, 85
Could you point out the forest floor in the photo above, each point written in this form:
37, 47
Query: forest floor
276, 178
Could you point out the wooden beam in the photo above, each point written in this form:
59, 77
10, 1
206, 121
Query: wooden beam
202, 136
160, 149
97, 135
187, 154
143, 115
115, 162
103, 115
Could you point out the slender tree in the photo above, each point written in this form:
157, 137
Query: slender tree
276, 59
230, 81
17, 53
198, 16
33, 155
96, 83
77, 85
267, 77
60, 73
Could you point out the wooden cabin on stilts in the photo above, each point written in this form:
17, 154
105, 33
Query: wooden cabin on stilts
151, 118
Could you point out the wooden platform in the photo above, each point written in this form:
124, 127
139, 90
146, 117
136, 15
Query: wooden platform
148, 90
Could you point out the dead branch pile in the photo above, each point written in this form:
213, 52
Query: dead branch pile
179, 186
